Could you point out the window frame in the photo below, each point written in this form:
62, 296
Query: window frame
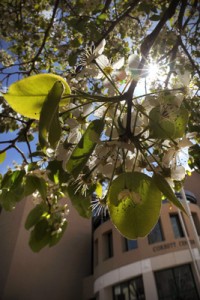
129, 245
108, 249
181, 234
136, 282
152, 237
173, 281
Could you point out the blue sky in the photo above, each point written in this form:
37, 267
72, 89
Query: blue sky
11, 154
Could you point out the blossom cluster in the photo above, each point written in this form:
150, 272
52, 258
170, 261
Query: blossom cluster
148, 137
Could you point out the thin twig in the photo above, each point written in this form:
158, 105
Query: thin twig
189, 56
119, 19
45, 35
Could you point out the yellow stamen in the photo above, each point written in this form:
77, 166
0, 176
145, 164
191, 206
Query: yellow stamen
108, 70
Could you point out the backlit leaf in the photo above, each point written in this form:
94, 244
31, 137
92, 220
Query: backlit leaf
134, 203
99, 190
49, 126
2, 157
165, 188
84, 148
27, 96
82, 202
168, 124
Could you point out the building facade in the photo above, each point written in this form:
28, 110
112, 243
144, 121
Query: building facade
93, 261
159, 266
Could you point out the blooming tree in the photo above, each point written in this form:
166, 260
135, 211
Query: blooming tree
105, 102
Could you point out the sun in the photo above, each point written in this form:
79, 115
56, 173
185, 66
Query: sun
153, 70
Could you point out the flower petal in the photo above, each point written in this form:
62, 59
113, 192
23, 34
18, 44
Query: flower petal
167, 158
178, 173
103, 61
118, 64
185, 77
120, 75
133, 61
100, 48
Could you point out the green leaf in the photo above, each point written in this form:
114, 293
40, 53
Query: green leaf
35, 215
28, 95
134, 203
33, 183
44, 232
194, 152
103, 16
84, 148
165, 188
32, 166
57, 237
49, 123
40, 235
56, 172
12, 189
11, 180
72, 58
81, 202
2, 157
170, 124
99, 190
8, 200
55, 131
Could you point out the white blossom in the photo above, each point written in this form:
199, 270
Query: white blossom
108, 68
92, 53
176, 158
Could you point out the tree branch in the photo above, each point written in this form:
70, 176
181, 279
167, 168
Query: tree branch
106, 6
45, 35
150, 39
12, 143
145, 49
120, 18
181, 14
189, 56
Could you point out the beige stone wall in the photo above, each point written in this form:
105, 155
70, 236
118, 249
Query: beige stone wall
54, 273
192, 183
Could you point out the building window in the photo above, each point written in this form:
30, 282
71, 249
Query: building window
176, 225
196, 222
156, 235
107, 245
129, 244
176, 283
129, 290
